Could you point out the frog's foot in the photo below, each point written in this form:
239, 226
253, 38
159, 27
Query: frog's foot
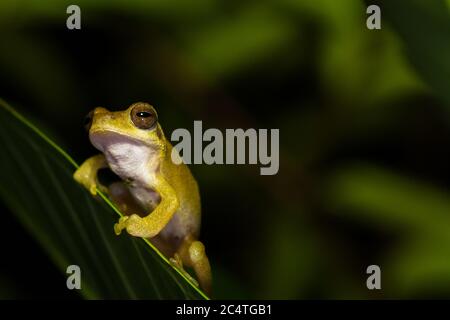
178, 263
88, 181
136, 226
83, 177
122, 224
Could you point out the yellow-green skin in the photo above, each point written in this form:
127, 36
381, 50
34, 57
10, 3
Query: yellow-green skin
160, 199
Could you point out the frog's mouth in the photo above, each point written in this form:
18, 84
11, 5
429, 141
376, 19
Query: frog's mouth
107, 140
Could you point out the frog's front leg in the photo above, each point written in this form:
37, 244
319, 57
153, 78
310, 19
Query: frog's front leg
150, 225
86, 174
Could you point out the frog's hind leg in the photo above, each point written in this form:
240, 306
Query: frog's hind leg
192, 254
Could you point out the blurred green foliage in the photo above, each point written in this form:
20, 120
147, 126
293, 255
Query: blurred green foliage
363, 118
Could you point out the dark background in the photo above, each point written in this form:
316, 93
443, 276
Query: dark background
364, 137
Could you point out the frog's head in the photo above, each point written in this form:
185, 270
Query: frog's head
136, 125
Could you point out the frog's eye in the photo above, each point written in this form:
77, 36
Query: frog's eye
88, 120
144, 116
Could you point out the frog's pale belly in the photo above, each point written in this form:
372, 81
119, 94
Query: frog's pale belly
146, 198
175, 231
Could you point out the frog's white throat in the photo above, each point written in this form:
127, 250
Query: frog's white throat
130, 159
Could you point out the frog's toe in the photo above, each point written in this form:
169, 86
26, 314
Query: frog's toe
120, 225
93, 189
83, 178
176, 261
78, 175
178, 264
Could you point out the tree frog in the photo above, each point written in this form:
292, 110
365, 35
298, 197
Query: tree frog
160, 199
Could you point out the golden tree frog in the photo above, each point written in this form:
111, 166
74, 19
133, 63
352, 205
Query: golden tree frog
160, 199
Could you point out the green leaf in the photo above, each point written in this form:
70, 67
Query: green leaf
227, 46
416, 212
386, 199
420, 265
74, 228
424, 27
11, 10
